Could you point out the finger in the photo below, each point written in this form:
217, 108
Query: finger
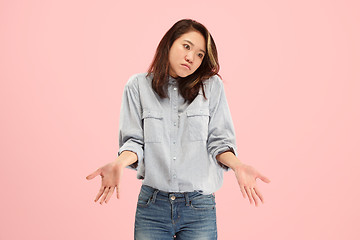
111, 191
248, 192
100, 193
94, 174
105, 195
117, 192
259, 195
253, 195
243, 191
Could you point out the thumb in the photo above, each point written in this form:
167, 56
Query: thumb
94, 174
263, 178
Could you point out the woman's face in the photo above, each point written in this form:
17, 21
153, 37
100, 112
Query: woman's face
186, 54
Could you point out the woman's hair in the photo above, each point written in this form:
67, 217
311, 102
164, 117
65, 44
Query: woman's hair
188, 86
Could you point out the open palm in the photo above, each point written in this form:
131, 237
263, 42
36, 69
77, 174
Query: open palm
111, 175
246, 176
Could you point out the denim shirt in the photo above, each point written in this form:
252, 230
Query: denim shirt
176, 143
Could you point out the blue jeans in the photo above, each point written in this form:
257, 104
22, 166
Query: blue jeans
184, 216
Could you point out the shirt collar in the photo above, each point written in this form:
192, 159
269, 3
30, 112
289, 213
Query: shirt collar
172, 80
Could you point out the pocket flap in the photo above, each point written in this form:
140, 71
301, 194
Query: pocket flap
198, 112
152, 114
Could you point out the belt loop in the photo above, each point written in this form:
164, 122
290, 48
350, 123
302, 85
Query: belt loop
153, 198
187, 199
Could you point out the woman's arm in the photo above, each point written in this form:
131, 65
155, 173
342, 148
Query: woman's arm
229, 159
126, 158
245, 174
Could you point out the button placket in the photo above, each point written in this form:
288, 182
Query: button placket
173, 133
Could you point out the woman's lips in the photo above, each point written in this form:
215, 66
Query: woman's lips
185, 66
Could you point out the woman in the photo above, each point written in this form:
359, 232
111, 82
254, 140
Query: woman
176, 132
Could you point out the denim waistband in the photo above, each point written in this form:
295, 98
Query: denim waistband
174, 196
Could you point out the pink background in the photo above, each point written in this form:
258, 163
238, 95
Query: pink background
291, 74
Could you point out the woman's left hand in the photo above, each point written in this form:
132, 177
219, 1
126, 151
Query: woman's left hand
246, 176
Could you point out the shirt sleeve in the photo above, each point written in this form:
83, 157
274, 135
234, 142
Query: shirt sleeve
131, 136
221, 135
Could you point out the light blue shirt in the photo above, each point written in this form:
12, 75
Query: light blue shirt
176, 143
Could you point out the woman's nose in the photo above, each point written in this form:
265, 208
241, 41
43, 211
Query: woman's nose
189, 57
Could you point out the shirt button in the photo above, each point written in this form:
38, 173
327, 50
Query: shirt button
175, 88
174, 142
172, 198
174, 123
174, 158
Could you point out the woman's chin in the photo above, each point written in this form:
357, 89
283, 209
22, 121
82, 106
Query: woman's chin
183, 74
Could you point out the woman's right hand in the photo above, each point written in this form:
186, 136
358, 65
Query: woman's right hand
111, 175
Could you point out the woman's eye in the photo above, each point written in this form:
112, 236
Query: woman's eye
186, 46
200, 55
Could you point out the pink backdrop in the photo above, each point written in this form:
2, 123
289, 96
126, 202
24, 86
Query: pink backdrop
291, 73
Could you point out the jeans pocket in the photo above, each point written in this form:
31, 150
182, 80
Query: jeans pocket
198, 124
203, 202
145, 198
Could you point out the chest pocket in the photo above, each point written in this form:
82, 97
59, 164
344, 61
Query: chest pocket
198, 124
153, 126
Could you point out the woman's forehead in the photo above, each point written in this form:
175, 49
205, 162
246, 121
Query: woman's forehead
194, 38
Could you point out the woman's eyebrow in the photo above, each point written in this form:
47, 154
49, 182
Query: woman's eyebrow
193, 45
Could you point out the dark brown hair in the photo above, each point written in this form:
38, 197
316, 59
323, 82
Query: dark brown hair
188, 86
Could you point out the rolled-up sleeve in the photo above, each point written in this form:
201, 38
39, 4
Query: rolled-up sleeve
131, 137
221, 136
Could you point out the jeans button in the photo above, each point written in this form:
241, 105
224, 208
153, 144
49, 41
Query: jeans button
172, 198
